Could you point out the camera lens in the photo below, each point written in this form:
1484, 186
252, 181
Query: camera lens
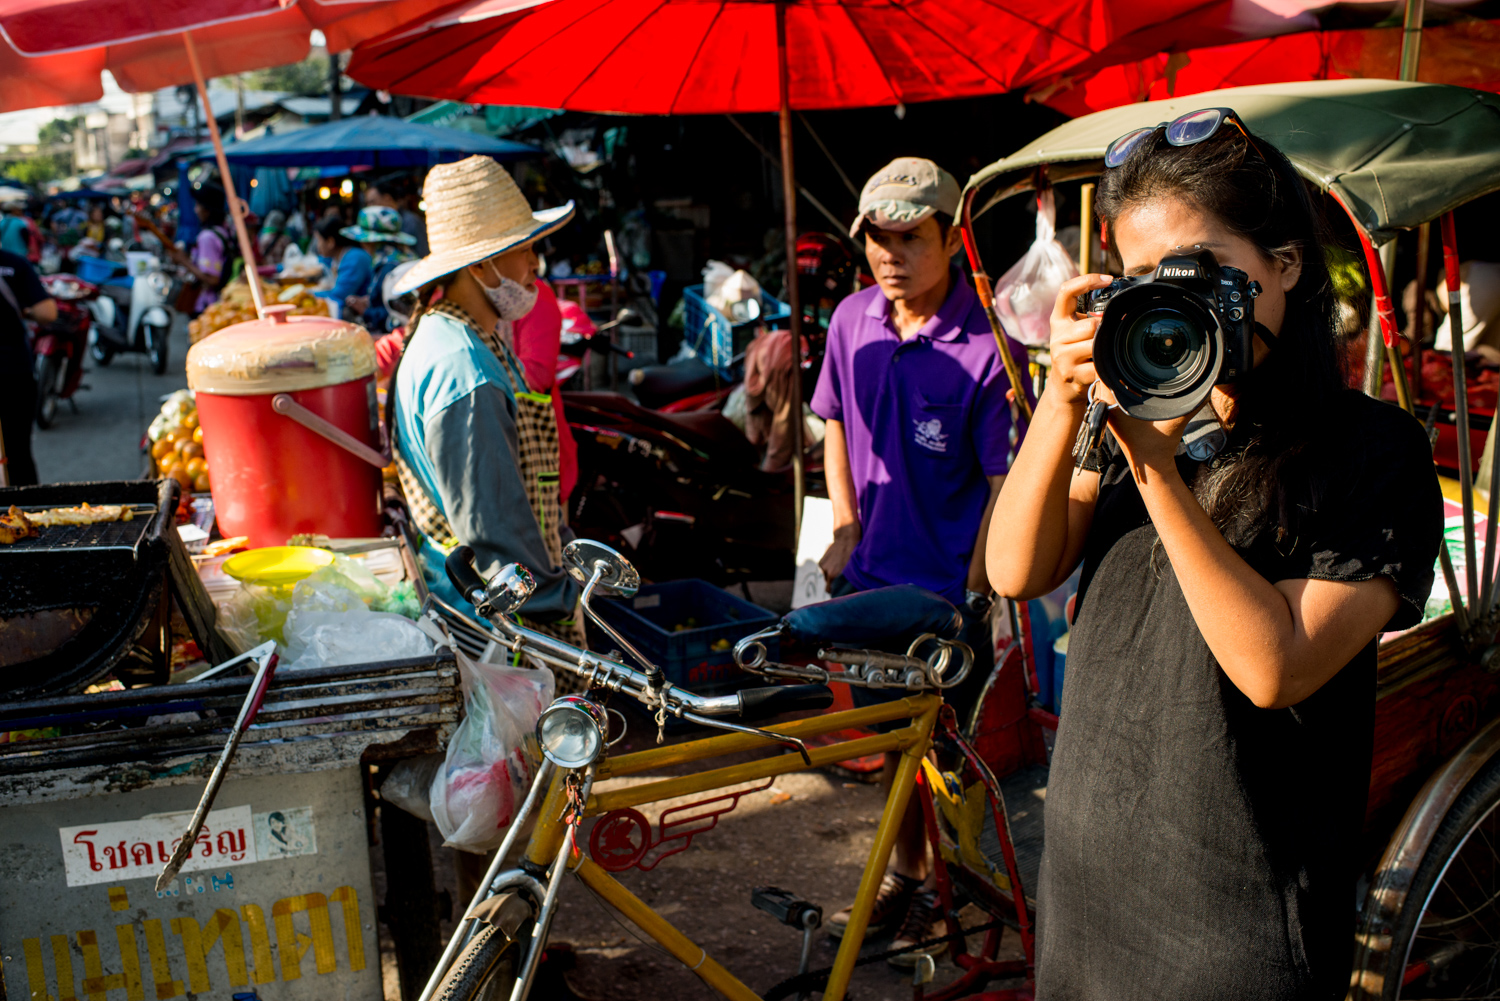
1159, 346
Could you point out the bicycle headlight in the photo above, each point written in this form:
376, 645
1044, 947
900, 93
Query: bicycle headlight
571, 732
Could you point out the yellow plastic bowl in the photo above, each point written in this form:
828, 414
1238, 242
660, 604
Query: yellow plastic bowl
276, 566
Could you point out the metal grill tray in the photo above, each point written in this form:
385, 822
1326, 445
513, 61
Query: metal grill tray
104, 535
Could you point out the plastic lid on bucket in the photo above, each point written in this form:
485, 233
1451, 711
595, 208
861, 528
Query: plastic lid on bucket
280, 354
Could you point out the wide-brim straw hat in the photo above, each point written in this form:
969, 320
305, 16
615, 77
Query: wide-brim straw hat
475, 211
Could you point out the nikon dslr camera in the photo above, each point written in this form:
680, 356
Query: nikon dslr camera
1166, 339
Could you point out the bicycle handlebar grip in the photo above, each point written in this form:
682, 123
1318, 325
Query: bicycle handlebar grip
460, 568
761, 703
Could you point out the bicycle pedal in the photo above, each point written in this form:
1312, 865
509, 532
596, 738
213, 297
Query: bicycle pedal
787, 907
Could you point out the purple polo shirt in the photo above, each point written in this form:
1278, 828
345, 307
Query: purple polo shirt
926, 421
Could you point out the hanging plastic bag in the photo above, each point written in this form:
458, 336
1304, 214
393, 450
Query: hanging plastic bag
1027, 293
492, 758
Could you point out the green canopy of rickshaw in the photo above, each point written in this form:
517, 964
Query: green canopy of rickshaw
1397, 154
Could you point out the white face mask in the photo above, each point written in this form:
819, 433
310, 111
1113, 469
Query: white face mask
511, 299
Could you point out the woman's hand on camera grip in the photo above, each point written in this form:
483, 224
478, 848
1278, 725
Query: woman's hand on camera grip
1072, 345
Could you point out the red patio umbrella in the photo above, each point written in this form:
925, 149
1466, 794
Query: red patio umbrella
1462, 53
53, 51
728, 56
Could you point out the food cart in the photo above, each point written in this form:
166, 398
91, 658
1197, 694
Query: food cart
1391, 157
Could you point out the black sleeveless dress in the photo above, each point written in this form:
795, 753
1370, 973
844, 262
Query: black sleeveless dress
1198, 847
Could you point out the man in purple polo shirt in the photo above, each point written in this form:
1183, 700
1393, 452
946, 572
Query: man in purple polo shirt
917, 445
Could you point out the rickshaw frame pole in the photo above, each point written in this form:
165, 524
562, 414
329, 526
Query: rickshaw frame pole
1461, 411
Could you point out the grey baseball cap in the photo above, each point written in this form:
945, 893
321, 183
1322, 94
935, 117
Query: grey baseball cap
904, 192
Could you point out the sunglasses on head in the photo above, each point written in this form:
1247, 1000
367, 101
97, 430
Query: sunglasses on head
1185, 130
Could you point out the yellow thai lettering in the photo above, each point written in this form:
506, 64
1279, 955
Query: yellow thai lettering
36, 974
161, 969
223, 929
62, 963
95, 983
260, 943
187, 929
130, 962
349, 898
292, 944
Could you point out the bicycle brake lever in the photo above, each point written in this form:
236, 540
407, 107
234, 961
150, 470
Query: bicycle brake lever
719, 724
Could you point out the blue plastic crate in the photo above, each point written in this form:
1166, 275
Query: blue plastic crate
699, 657
715, 339
97, 269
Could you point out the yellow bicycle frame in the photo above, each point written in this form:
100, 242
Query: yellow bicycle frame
913, 741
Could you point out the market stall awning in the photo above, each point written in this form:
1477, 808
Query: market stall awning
691, 57
372, 141
53, 53
1397, 154
1463, 53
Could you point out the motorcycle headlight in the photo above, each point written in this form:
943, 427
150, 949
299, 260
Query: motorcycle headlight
160, 283
571, 732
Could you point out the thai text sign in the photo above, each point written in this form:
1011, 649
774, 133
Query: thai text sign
105, 853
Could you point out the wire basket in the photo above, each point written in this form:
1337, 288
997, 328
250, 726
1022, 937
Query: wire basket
719, 342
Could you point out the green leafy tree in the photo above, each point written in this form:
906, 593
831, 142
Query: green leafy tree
310, 76
35, 170
59, 130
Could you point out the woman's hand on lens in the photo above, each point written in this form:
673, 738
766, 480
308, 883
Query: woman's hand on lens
1072, 345
1149, 444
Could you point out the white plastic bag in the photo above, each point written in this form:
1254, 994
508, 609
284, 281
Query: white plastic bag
1027, 293
493, 756
356, 636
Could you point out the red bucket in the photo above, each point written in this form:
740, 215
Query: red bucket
272, 476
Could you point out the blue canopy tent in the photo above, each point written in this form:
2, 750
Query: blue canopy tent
372, 141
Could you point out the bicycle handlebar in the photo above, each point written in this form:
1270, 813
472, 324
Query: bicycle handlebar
461, 572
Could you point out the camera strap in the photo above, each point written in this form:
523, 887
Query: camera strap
1264, 333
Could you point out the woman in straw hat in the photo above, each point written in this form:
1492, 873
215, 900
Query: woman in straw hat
476, 449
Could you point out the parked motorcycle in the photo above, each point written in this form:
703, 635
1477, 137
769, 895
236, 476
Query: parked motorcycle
58, 347
134, 314
673, 482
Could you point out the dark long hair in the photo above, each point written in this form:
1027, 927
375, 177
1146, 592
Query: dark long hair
1266, 475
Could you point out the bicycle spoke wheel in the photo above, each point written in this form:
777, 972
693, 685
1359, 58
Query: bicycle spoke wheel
1453, 934
486, 969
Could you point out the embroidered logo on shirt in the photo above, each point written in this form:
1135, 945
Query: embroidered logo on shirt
929, 434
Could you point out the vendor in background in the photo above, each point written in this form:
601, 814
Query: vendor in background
211, 258
917, 445
96, 229
14, 226
538, 337
378, 231
348, 266
399, 192
273, 238
476, 447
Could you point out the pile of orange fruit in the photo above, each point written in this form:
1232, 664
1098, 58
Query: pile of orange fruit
236, 306
179, 454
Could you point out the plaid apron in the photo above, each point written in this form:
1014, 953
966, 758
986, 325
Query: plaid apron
536, 433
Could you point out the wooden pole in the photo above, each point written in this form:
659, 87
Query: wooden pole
1086, 229
794, 299
1411, 39
231, 197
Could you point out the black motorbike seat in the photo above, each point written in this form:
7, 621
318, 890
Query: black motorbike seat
705, 430
655, 385
874, 618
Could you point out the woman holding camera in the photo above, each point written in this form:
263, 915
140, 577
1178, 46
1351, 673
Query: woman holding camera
1208, 785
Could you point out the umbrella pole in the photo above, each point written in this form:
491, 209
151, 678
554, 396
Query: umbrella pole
232, 197
794, 300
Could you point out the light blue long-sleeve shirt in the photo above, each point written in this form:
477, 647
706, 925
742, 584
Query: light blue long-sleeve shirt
456, 429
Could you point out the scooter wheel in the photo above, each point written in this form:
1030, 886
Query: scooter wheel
46, 391
101, 352
156, 348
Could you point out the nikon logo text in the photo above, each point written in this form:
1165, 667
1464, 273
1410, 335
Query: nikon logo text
1178, 272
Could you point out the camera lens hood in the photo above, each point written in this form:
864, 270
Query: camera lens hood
1159, 348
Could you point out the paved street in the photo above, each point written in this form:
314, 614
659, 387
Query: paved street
102, 440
